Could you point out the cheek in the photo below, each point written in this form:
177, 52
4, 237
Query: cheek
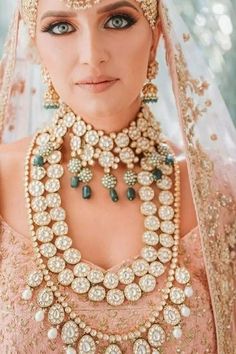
128, 57
133, 59
55, 59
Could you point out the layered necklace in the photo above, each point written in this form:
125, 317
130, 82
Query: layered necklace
152, 172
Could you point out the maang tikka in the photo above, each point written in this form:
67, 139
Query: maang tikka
150, 90
29, 10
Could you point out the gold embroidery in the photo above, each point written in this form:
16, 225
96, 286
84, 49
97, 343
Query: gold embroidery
186, 37
20, 333
213, 207
214, 137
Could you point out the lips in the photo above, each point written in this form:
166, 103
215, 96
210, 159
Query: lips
97, 84
96, 80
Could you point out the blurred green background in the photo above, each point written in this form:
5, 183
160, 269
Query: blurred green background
212, 24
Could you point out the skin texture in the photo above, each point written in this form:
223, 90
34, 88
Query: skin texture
96, 47
95, 225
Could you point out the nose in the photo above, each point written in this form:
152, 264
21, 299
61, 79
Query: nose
92, 49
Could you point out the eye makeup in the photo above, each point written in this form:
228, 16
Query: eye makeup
115, 21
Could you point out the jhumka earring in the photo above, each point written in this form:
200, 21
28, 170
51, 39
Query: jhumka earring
150, 90
51, 98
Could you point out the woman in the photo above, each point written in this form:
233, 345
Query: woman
80, 283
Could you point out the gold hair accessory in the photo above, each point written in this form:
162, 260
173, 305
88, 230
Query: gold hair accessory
150, 90
29, 10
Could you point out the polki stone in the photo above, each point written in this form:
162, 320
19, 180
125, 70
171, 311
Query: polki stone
70, 332
171, 315
113, 349
45, 297
156, 335
141, 346
86, 345
56, 314
35, 278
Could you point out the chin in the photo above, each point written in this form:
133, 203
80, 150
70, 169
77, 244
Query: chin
97, 110
98, 107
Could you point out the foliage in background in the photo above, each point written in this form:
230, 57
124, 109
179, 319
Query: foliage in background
212, 24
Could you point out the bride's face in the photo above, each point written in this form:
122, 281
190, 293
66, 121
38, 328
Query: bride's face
97, 58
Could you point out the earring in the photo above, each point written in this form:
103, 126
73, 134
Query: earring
149, 92
51, 98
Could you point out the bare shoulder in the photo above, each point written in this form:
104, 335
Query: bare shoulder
12, 157
15, 149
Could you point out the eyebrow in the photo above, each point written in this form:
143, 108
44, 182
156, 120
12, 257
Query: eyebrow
59, 14
116, 5
106, 8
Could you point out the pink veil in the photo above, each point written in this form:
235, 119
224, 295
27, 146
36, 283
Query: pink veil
192, 114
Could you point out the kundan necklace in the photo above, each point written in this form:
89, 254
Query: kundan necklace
152, 166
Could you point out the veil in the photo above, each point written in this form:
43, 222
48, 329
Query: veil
192, 114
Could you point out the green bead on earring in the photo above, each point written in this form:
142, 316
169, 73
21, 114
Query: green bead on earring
150, 90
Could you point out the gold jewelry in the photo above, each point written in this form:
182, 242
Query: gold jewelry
51, 98
29, 10
150, 90
59, 265
109, 150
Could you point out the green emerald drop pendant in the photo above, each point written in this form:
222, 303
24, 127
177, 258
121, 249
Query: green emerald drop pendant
113, 195
74, 182
86, 192
131, 194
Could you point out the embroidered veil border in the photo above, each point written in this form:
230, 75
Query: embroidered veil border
193, 115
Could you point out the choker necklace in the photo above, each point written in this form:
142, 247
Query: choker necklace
151, 165
89, 146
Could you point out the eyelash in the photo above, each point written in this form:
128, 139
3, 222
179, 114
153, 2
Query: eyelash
131, 20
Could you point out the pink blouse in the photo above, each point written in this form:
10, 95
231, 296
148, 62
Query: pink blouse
20, 334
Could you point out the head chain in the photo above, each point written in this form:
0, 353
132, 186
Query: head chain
29, 10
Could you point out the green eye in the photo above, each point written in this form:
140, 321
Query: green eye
120, 21
60, 28
116, 21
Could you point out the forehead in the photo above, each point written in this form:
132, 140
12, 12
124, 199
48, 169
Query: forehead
96, 6
30, 8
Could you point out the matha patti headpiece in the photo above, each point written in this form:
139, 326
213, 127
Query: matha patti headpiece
29, 10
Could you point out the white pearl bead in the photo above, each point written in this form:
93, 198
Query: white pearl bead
39, 316
27, 294
70, 350
52, 333
185, 311
188, 291
177, 332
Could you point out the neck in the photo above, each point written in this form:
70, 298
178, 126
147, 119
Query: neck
109, 124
